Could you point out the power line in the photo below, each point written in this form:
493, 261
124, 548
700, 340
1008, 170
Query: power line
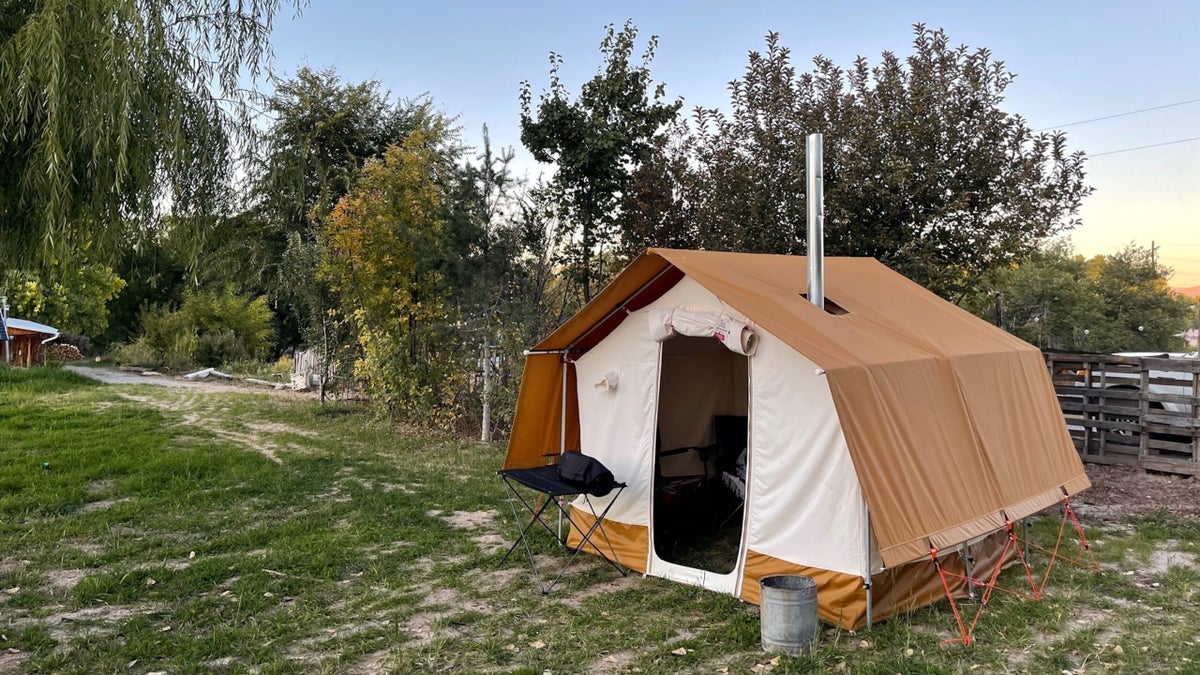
1143, 147
1124, 114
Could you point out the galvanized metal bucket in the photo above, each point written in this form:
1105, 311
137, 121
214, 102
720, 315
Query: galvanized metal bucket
789, 613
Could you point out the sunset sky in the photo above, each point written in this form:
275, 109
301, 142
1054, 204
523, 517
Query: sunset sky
1075, 61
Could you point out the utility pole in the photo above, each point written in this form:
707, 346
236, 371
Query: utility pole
1153, 255
486, 432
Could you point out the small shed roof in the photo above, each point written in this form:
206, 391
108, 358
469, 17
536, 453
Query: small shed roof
31, 326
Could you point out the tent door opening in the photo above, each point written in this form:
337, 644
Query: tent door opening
701, 455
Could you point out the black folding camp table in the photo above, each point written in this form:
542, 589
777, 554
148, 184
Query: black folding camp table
545, 480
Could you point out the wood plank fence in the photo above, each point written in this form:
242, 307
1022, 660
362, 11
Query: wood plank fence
1140, 411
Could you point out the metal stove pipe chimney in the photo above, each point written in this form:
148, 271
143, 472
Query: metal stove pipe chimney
815, 198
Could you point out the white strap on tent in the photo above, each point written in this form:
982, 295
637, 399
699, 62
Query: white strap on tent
735, 335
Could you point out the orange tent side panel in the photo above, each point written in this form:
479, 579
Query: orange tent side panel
536, 437
841, 598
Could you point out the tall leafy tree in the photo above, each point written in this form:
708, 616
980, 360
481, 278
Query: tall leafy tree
1141, 311
73, 298
1047, 300
112, 107
924, 169
381, 247
322, 131
595, 142
1108, 303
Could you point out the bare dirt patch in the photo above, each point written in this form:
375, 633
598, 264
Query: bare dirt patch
491, 543
11, 564
64, 581
495, 580
277, 428
1163, 559
375, 662
1118, 492
420, 626
64, 625
102, 504
440, 596
470, 520
103, 613
10, 661
612, 663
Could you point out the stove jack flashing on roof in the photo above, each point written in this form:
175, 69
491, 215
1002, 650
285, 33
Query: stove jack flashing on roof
815, 198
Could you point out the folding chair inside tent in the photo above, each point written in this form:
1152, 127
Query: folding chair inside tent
546, 480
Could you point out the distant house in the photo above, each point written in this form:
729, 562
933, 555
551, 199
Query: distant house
26, 342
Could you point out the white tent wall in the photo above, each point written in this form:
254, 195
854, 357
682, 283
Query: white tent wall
616, 424
804, 501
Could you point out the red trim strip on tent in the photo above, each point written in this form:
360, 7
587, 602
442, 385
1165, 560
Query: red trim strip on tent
639, 299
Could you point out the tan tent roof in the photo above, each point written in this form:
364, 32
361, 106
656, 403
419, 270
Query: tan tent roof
952, 424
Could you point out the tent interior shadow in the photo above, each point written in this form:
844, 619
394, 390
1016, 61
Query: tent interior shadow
701, 435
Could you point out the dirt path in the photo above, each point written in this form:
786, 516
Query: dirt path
1120, 491
114, 376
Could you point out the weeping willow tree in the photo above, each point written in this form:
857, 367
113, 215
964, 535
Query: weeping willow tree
115, 109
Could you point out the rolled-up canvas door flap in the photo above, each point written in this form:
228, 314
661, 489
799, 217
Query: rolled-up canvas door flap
735, 335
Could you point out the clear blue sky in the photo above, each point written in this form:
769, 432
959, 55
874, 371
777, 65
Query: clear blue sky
1074, 60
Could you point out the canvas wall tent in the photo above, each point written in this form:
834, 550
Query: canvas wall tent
901, 424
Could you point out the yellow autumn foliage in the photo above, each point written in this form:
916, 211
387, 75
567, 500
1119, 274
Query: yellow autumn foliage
381, 243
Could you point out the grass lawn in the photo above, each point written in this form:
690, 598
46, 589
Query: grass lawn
147, 529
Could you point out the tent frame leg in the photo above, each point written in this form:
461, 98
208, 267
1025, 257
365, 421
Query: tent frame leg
967, 633
1085, 547
867, 566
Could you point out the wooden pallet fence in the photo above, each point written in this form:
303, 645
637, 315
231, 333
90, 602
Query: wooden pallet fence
1139, 411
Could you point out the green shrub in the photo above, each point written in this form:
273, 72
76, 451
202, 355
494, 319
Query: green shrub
136, 353
244, 320
170, 333
219, 347
210, 328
